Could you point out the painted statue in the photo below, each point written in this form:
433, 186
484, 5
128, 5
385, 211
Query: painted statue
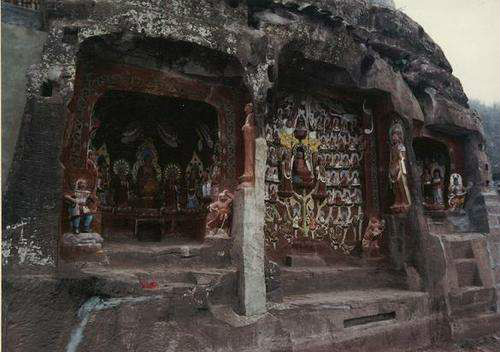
121, 183
427, 185
301, 172
81, 207
373, 236
220, 211
456, 192
437, 189
206, 188
321, 180
171, 190
103, 180
397, 170
286, 171
248, 177
147, 182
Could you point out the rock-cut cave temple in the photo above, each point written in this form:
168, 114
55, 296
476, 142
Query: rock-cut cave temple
230, 175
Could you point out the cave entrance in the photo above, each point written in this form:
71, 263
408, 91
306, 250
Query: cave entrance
158, 165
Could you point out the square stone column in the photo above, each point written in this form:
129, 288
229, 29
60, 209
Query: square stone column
248, 232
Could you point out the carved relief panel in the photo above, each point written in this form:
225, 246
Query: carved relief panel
314, 176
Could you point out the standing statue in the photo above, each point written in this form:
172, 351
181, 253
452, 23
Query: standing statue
220, 212
397, 170
147, 182
286, 171
81, 206
171, 190
426, 185
320, 192
373, 236
456, 192
437, 190
248, 177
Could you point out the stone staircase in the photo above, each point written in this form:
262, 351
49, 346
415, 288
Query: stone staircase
352, 308
193, 274
471, 299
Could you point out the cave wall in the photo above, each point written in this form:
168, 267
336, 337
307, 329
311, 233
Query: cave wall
22, 42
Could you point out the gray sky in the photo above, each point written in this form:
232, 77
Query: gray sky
468, 31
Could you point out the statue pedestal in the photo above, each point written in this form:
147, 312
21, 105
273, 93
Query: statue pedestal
83, 246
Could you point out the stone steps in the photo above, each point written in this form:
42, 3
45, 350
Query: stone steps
467, 272
211, 253
177, 283
475, 327
315, 279
357, 320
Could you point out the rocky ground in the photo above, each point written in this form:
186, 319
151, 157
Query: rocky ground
487, 344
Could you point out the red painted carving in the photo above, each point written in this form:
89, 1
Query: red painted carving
248, 178
219, 217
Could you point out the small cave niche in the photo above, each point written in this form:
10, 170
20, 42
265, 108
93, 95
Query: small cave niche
46, 88
154, 155
70, 35
434, 165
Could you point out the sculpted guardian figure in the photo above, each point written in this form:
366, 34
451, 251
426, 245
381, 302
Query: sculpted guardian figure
220, 212
81, 206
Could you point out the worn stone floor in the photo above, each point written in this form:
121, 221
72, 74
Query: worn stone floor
486, 344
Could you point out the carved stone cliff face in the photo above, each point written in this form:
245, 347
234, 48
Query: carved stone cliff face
376, 61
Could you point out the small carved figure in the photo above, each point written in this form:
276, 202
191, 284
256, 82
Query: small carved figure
192, 200
220, 212
346, 162
286, 171
397, 170
373, 236
273, 192
321, 180
337, 162
427, 185
103, 180
354, 160
456, 192
322, 221
81, 207
344, 178
147, 182
347, 197
335, 179
301, 173
437, 189
248, 177
121, 183
207, 186
355, 181
296, 220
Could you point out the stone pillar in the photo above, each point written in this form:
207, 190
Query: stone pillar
248, 232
